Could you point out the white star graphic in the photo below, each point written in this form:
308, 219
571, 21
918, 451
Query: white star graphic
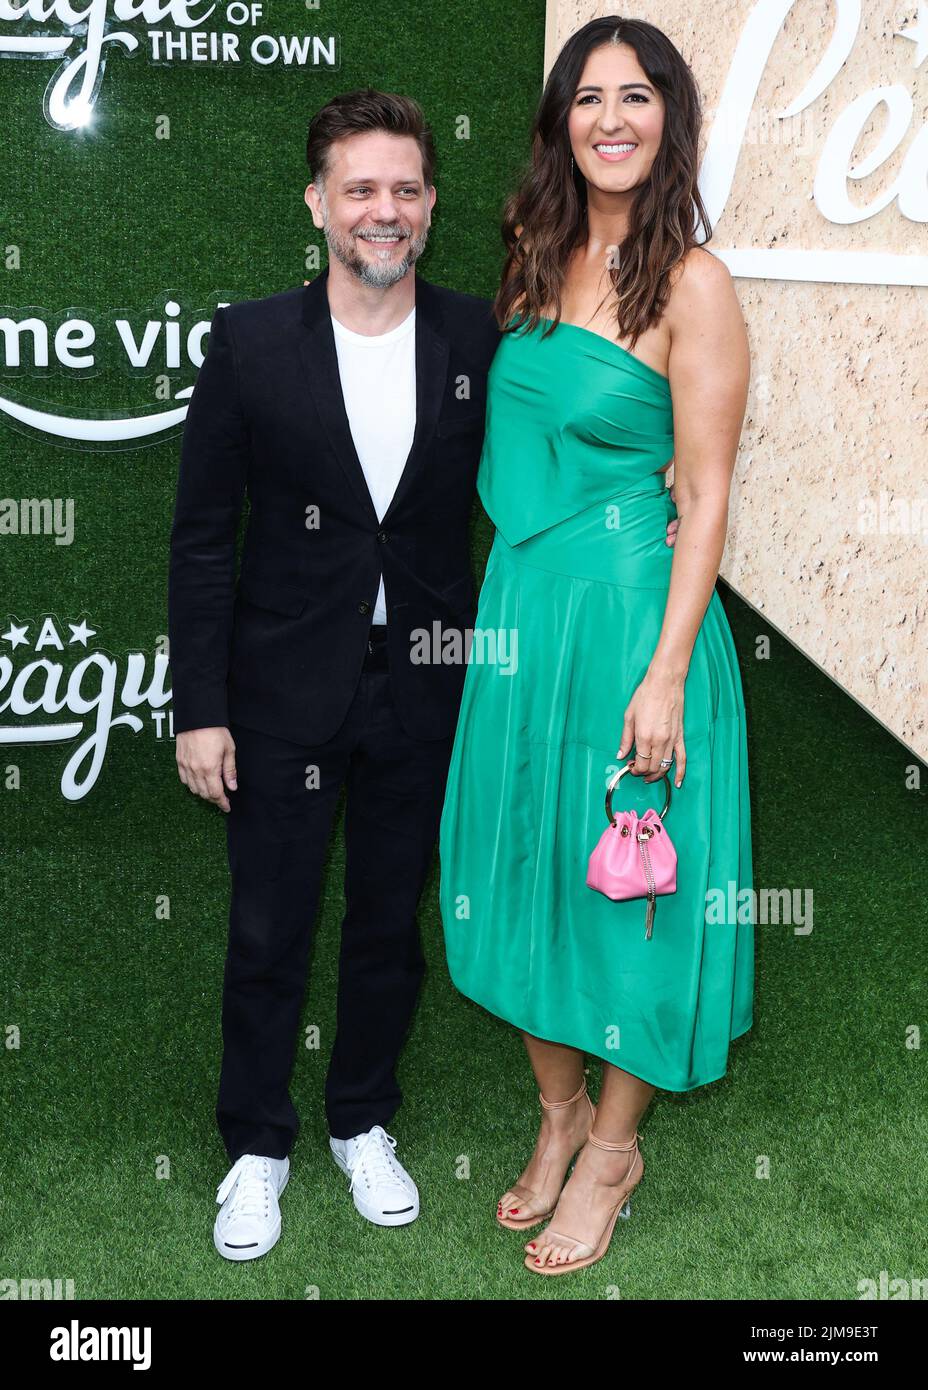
918, 34
16, 635
80, 632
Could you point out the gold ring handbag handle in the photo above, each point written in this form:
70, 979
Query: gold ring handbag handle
615, 782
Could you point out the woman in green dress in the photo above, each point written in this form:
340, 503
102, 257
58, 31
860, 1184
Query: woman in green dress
624, 347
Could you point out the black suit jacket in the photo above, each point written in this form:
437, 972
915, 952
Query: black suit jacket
284, 652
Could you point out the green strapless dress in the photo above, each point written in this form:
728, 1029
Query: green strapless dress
577, 429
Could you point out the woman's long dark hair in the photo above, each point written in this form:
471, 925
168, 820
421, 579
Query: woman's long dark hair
550, 203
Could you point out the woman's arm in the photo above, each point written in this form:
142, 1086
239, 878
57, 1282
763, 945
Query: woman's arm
709, 369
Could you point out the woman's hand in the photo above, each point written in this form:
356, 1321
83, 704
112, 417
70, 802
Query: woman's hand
654, 725
674, 522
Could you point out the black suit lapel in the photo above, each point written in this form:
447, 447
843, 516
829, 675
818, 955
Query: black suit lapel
320, 363
432, 353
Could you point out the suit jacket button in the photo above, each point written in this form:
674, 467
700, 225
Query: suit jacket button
364, 607
381, 536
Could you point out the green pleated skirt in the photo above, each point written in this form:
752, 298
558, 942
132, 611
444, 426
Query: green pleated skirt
566, 626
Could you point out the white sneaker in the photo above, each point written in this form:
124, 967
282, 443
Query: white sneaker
382, 1189
248, 1224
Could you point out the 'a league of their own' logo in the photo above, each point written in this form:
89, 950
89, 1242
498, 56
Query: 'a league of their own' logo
80, 34
48, 697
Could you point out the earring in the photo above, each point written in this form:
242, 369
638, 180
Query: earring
571, 164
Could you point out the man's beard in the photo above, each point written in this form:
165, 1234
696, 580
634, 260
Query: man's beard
379, 275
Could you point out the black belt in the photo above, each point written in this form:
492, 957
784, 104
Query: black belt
375, 658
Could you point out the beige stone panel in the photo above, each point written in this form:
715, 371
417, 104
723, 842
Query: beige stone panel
828, 535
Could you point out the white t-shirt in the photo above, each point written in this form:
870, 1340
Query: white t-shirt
378, 377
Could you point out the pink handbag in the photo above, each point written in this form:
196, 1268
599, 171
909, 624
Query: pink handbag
635, 857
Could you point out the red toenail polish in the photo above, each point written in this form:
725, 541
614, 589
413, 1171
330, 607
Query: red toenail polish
513, 1211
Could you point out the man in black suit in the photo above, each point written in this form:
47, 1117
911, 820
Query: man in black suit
305, 678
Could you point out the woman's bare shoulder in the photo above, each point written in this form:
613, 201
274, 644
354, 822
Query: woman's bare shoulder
699, 272
708, 333
701, 291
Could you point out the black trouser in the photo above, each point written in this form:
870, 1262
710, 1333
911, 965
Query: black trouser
278, 830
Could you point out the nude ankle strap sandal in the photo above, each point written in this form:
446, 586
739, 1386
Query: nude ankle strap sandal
528, 1222
607, 1144
603, 1243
